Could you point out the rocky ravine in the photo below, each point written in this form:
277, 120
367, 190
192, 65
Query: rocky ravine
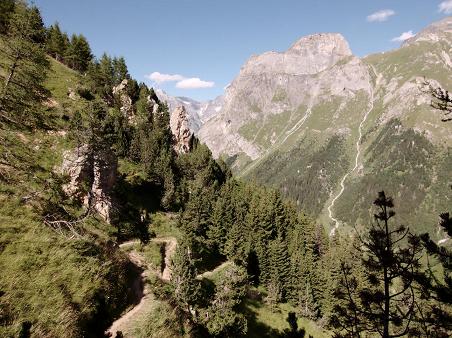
294, 120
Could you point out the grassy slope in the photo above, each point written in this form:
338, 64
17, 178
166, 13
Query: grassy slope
307, 169
59, 285
262, 319
409, 165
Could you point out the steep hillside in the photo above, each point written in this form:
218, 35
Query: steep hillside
328, 128
53, 281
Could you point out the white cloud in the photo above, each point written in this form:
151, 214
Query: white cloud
194, 83
182, 82
160, 78
404, 36
445, 7
380, 16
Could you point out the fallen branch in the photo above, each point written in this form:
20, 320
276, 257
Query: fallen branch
63, 227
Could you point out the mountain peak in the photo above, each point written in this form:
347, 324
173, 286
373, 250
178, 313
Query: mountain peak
323, 43
309, 55
438, 31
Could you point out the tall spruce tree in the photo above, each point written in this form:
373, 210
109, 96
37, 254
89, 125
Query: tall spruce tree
435, 308
6, 11
195, 219
435, 311
224, 318
78, 54
57, 42
24, 66
187, 289
386, 305
280, 265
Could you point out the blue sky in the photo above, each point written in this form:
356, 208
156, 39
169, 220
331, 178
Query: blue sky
203, 43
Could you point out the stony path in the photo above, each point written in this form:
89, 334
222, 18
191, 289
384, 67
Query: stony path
145, 300
170, 248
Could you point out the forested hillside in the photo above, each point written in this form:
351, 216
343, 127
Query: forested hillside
113, 223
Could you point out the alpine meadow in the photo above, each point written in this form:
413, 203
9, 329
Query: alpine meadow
308, 194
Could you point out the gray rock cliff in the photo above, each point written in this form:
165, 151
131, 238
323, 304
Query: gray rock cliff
92, 177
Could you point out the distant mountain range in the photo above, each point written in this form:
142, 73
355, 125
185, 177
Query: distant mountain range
331, 129
198, 112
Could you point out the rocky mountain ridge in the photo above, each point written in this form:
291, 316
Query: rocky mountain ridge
313, 121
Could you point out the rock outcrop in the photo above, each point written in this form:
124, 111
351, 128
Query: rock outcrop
197, 112
92, 177
120, 92
182, 135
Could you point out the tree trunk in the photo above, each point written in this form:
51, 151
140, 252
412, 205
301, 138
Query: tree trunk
386, 279
10, 75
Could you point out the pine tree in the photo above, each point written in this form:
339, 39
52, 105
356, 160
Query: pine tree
441, 100
280, 265
78, 54
435, 313
6, 11
274, 293
57, 42
76, 128
24, 66
120, 70
237, 244
224, 318
143, 104
195, 218
386, 305
187, 289
307, 302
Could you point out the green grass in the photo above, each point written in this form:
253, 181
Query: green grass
262, 320
165, 225
65, 287
153, 254
161, 322
52, 281
60, 79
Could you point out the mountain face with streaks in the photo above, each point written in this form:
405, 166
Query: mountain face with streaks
331, 129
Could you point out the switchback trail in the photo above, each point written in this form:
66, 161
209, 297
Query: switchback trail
145, 300
358, 153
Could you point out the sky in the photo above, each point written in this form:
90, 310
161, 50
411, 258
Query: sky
195, 48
